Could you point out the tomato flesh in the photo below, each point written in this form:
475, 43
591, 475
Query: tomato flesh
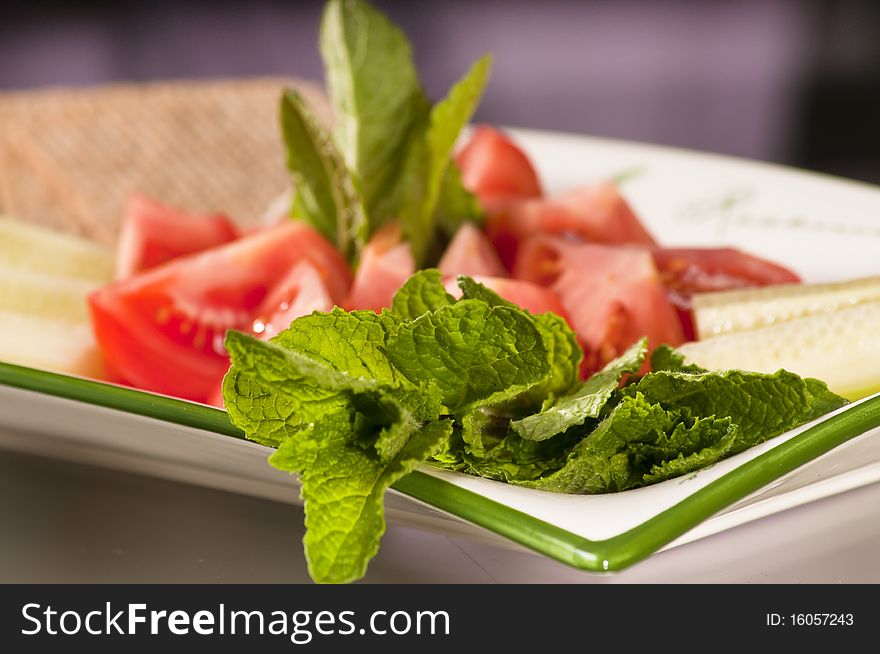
471, 253
701, 270
215, 397
153, 233
613, 295
600, 214
386, 263
162, 330
597, 214
494, 168
300, 293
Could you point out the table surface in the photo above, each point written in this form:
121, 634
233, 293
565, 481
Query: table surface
68, 522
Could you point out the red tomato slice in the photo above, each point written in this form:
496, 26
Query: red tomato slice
471, 253
602, 215
526, 295
300, 293
613, 295
700, 270
152, 234
598, 214
162, 330
494, 169
386, 263
686, 271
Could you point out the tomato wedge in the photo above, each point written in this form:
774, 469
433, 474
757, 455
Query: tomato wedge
600, 214
686, 271
153, 233
495, 169
386, 263
300, 293
471, 253
597, 214
162, 330
700, 270
613, 295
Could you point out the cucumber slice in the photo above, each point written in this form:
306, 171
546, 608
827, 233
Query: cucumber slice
41, 250
734, 311
50, 345
53, 298
45, 278
842, 348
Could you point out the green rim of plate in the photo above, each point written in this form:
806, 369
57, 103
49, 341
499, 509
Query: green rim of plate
613, 553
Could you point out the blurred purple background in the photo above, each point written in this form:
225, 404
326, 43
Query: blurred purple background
791, 81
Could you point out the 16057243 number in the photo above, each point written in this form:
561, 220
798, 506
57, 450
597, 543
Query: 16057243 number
810, 620
822, 619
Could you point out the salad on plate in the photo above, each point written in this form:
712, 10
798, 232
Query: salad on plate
422, 301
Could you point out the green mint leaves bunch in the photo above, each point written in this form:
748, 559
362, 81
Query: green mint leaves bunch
389, 155
353, 401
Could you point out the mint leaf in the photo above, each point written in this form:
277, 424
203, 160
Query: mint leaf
351, 342
343, 485
295, 389
306, 142
484, 420
379, 102
564, 351
310, 387
455, 204
640, 443
326, 196
762, 405
266, 416
668, 358
485, 424
471, 289
430, 158
600, 463
824, 401
563, 356
515, 459
586, 402
671, 423
472, 351
693, 444
393, 156
268, 396
292, 371
422, 293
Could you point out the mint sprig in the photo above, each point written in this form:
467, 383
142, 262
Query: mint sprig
389, 154
376, 95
